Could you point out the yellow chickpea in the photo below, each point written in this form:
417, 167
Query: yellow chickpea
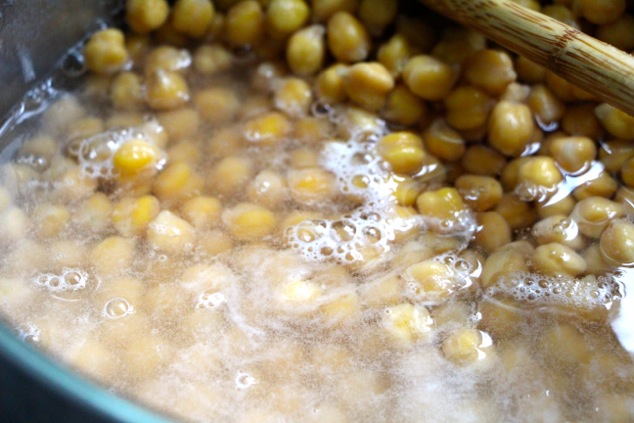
511, 128
614, 153
368, 84
170, 234
444, 204
268, 189
126, 91
538, 178
283, 17
529, 71
135, 156
573, 153
616, 122
245, 24
293, 97
395, 53
105, 52
348, 40
593, 214
131, 216
558, 228
248, 221
518, 214
467, 107
403, 107
231, 174
619, 33
144, 16
505, 261
428, 77
166, 90
403, 151
311, 185
556, 259
323, 9
603, 185
490, 70
627, 173
177, 182
602, 12
180, 123
217, 104
481, 193
482, 160
192, 17
202, 211
443, 142
376, 15
113, 255
580, 120
430, 281
268, 129
50, 220
548, 109
493, 231
617, 243
329, 85
212, 59
305, 50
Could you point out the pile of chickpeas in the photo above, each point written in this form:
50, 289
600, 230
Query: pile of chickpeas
146, 217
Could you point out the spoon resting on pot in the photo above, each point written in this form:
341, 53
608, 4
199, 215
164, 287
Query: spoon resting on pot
597, 67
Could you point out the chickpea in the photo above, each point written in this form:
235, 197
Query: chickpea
324, 9
403, 107
294, 97
311, 185
126, 91
517, 213
548, 109
144, 16
482, 160
131, 216
212, 59
593, 215
376, 15
463, 346
529, 71
231, 174
573, 153
601, 186
105, 52
403, 151
245, 24
511, 128
180, 123
503, 262
177, 182
348, 39
616, 122
490, 70
268, 129
268, 189
283, 17
113, 255
329, 86
406, 322
444, 204
493, 231
467, 108
192, 17
368, 84
558, 228
443, 142
614, 153
135, 156
481, 193
556, 259
617, 243
395, 53
248, 221
217, 104
430, 281
602, 12
428, 77
538, 178
306, 50
166, 90
581, 120
619, 33
170, 234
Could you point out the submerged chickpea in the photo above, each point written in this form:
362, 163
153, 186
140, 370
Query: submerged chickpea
493, 231
166, 90
556, 259
217, 104
617, 243
248, 221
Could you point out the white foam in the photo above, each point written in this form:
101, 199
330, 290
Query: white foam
588, 292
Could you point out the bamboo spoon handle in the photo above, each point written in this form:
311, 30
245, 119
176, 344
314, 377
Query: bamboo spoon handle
592, 65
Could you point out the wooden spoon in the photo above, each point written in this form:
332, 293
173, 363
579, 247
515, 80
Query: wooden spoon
597, 67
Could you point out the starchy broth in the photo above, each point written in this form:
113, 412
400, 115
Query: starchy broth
325, 211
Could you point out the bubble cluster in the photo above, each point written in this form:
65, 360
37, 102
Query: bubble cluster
95, 154
69, 280
29, 333
210, 300
586, 293
370, 227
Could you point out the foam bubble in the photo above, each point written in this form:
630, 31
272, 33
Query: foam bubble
587, 293
69, 280
244, 380
29, 333
210, 300
95, 154
117, 308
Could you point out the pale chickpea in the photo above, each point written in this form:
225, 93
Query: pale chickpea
593, 214
170, 234
617, 243
556, 259
248, 221
493, 231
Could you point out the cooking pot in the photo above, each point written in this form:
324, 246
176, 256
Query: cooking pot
34, 37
